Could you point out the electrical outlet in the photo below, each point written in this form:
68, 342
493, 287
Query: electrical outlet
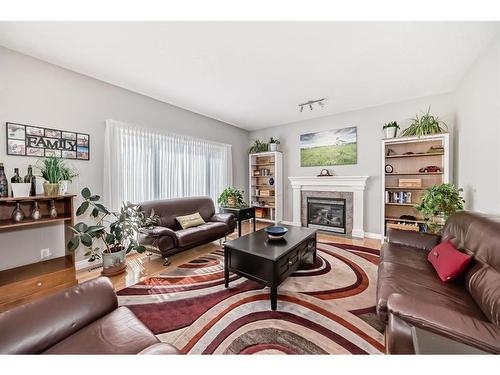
45, 253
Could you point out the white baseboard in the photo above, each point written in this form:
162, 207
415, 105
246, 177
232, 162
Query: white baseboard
84, 263
376, 236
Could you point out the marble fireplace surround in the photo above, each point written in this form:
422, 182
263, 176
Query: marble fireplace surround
341, 184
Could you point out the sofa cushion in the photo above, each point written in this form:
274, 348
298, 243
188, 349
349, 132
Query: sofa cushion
405, 255
119, 332
423, 285
448, 262
199, 234
483, 284
190, 221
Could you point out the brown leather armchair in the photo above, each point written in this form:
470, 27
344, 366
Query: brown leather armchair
84, 319
169, 238
409, 293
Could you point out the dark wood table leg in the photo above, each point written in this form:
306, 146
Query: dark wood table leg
254, 223
274, 297
226, 267
239, 228
315, 248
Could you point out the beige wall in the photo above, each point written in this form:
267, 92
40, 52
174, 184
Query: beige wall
478, 132
35, 92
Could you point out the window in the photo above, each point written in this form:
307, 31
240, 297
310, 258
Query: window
145, 164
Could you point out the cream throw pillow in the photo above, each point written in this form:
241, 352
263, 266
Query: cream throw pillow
189, 221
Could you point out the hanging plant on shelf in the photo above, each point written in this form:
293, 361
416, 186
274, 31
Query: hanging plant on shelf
438, 203
426, 124
258, 146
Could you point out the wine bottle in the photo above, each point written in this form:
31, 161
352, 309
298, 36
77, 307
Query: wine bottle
30, 179
16, 179
4, 184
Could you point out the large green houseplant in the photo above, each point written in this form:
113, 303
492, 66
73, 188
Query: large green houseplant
231, 197
115, 231
425, 124
438, 203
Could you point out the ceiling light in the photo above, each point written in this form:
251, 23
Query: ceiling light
310, 104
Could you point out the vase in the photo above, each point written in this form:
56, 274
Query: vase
390, 132
114, 263
63, 187
18, 214
51, 189
36, 214
52, 210
273, 147
231, 201
20, 189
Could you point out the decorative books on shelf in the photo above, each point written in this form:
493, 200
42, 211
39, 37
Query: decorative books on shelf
410, 165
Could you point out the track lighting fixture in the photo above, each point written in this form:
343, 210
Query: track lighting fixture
310, 103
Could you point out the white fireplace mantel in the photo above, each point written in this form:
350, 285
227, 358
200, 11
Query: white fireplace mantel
354, 184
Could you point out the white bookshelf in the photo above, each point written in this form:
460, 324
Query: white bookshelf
411, 154
266, 197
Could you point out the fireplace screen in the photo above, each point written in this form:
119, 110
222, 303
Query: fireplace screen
326, 214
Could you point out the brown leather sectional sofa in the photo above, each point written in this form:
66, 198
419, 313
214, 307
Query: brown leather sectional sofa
84, 319
409, 292
169, 238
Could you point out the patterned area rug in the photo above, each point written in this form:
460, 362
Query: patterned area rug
323, 308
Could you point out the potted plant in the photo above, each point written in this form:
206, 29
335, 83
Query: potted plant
231, 197
116, 231
51, 169
425, 125
258, 146
273, 144
67, 176
438, 203
391, 129
20, 188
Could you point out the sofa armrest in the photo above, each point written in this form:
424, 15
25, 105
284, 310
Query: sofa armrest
422, 241
160, 348
36, 326
223, 218
457, 326
152, 235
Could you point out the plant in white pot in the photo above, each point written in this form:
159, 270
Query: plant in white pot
273, 144
115, 231
67, 175
51, 169
391, 129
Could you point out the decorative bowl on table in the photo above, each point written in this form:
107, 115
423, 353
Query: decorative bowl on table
276, 233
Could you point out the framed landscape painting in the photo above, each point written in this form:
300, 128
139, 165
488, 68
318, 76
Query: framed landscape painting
329, 147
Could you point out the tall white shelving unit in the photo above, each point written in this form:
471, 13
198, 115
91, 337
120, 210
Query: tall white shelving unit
266, 185
408, 155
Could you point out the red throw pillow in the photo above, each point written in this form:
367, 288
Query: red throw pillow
448, 262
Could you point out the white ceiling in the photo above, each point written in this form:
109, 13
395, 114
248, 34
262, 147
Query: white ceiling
254, 74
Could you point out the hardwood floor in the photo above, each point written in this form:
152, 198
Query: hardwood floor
140, 266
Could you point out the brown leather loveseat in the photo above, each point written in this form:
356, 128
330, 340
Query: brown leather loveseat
169, 238
409, 292
84, 319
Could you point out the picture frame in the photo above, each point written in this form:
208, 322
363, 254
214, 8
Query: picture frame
38, 141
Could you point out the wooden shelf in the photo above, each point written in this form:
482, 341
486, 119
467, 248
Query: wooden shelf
29, 271
405, 220
415, 155
267, 175
263, 196
263, 165
414, 173
402, 188
262, 185
264, 206
401, 204
36, 198
28, 222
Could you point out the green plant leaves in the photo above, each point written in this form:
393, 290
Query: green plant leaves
81, 227
86, 239
86, 193
83, 207
74, 243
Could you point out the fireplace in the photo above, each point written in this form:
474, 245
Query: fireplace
327, 214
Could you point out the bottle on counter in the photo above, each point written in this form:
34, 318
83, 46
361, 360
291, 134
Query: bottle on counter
16, 179
4, 184
31, 179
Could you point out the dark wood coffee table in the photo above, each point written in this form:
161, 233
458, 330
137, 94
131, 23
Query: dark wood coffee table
269, 262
